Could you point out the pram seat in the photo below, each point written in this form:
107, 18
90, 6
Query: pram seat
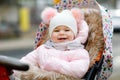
97, 43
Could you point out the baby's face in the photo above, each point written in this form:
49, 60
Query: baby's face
62, 34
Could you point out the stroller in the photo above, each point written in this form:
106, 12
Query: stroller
99, 44
7, 64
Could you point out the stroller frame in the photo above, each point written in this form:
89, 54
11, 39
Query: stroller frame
96, 70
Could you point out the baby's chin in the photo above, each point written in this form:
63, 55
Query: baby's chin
62, 41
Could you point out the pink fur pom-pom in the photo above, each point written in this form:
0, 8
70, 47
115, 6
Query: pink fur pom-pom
77, 14
47, 14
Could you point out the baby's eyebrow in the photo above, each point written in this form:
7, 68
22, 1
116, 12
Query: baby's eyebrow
66, 27
56, 29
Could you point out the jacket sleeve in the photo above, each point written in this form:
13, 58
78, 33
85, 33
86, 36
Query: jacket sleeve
83, 32
31, 58
76, 67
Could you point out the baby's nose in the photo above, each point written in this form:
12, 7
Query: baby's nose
62, 32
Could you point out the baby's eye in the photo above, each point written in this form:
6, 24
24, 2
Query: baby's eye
56, 30
67, 30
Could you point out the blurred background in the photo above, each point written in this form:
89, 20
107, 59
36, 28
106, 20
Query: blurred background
19, 21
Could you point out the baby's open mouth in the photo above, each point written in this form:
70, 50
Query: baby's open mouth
62, 38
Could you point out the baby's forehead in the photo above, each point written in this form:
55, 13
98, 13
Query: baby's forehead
62, 27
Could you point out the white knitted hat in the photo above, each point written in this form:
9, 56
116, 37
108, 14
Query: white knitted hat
64, 18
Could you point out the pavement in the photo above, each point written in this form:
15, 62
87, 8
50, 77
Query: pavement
16, 43
24, 41
116, 69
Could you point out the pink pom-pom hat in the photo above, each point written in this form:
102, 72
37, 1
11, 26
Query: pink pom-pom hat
71, 18
47, 14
